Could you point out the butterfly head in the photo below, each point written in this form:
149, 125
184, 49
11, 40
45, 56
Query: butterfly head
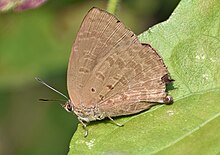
68, 106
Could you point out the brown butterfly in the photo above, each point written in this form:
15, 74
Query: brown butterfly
110, 73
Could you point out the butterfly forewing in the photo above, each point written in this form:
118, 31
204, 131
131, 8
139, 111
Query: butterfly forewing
83, 59
99, 34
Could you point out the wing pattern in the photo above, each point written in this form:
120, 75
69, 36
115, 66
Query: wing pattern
109, 67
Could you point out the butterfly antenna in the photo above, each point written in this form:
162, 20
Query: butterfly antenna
42, 82
45, 100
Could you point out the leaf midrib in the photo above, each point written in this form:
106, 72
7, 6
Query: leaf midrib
187, 134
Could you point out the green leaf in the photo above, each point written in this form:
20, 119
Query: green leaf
189, 42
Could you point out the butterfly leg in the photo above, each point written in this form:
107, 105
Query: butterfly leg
118, 124
84, 127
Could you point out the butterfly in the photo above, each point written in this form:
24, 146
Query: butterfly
110, 73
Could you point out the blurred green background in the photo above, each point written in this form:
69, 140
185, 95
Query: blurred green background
37, 43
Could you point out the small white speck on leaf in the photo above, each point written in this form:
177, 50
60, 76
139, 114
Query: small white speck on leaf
200, 57
80, 141
170, 112
205, 76
203, 57
90, 143
212, 59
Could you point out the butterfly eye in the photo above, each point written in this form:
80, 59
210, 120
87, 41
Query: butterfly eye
69, 107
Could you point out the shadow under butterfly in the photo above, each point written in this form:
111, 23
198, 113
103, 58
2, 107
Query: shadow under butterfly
110, 73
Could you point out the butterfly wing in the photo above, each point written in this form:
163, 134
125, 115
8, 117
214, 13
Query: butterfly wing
110, 68
99, 34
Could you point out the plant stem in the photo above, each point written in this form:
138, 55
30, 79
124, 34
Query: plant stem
112, 5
